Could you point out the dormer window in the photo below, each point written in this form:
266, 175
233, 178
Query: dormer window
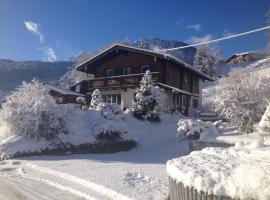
110, 72
144, 68
185, 77
126, 70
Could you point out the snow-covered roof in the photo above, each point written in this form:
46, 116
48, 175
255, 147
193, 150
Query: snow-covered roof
146, 52
65, 91
176, 90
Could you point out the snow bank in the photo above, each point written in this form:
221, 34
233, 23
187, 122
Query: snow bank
82, 127
238, 172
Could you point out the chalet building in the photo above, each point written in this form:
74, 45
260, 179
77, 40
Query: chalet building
64, 96
244, 57
119, 69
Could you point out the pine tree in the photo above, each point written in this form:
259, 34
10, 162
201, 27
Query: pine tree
147, 99
96, 100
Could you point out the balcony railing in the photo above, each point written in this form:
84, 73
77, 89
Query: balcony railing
131, 80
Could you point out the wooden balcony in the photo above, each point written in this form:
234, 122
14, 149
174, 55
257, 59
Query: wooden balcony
131, 80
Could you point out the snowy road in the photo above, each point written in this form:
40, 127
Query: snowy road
27, 189
137, 174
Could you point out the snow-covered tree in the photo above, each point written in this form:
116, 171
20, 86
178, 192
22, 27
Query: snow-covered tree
31, 112
242, 97
264, 125
147, 100
96, 99
206, 59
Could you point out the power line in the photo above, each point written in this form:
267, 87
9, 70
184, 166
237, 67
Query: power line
217, 40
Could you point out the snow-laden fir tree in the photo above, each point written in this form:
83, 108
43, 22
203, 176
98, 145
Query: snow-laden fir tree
31, 112
264, 125
147, 99
96, 100
206, 59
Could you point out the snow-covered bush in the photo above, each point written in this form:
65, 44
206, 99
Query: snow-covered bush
111, 125
242, 97
147, 99
110, 129
81, 100
264, 125
197, 129
31, 112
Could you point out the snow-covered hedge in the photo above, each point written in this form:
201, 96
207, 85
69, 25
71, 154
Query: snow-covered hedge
31, 112
242, 97
197, 129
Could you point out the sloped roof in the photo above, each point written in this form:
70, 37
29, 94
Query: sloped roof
64, 91
145, 52
177, 90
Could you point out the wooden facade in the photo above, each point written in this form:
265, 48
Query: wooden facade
64, 97
122, 67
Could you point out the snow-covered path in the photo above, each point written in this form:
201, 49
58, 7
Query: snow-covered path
136, 174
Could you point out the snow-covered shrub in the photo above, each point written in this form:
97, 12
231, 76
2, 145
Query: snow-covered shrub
147, 99
111, 125
111, 111
197, 129
264, 125
81, 100
31, 112
110, 129
242, 97
96, 100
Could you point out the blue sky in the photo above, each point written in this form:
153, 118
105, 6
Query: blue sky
59, 29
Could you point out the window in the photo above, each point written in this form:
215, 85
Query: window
195, 103
109, 98
104, 97
144, 68
196, 82
185, 77
184, 102
110, 72
78, 88
126, 70
112, 98
118, 99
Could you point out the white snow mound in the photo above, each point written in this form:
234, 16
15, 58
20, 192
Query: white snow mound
237, 172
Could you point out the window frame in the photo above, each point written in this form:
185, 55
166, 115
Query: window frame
110, 70
127, 70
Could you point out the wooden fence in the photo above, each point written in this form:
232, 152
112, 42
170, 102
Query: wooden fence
196, 145
177, 191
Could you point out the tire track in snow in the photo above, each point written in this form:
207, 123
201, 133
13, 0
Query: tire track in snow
64, 188
112, 194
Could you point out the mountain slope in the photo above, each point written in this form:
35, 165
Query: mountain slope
12, 73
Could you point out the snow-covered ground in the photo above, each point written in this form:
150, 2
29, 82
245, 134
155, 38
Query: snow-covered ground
136, 174
240, 172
